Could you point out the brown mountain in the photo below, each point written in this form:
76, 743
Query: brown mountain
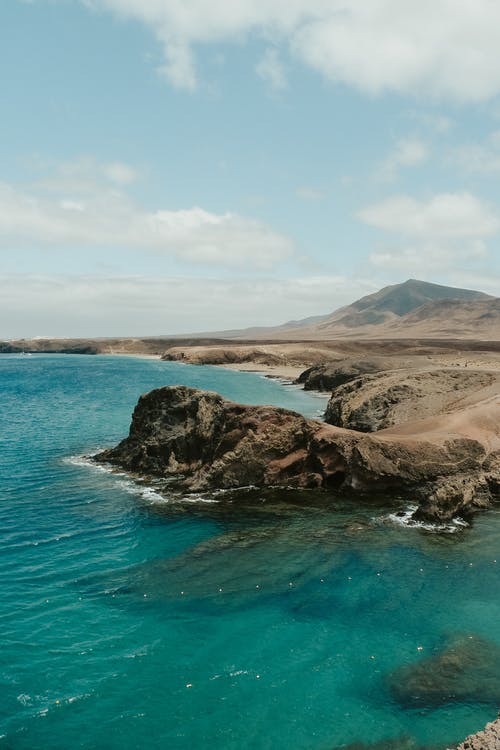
413, 309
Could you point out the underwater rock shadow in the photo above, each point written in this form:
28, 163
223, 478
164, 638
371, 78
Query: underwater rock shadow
233, 569
466, 670
398, 743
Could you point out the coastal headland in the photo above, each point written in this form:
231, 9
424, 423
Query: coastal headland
450, 465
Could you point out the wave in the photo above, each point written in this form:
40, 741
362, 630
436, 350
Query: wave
405, 519
141, 486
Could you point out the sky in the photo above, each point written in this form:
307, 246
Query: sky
173, 166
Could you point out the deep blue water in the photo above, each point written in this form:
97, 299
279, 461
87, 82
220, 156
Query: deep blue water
127, 621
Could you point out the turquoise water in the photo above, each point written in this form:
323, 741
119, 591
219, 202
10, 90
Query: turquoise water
127, 621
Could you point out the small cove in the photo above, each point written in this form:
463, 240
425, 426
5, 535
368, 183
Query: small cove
128, 621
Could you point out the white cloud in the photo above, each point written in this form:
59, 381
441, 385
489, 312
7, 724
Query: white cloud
119, 173
407, 152
435, 122
442, 233
138, 306
427, 258
106, 218
433, 48
271, 69
480, 158
179, 67
310, 194
445, 216
86, 175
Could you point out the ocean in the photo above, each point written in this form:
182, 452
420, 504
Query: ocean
130, 620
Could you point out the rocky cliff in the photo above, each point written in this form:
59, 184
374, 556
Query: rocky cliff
204, 442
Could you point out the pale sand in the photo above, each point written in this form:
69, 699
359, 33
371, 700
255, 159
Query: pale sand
478, 419
280, 372
134, 356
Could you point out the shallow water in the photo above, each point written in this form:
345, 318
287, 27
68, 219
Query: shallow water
131, 621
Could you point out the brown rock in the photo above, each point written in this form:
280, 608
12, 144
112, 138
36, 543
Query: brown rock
373, 402
487, 739
206, 442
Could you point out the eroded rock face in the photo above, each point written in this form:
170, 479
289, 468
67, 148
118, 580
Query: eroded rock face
215, 443
369, 403
206, 442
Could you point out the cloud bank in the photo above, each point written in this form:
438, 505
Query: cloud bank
439, 48
86, 207
76, 306
435, 234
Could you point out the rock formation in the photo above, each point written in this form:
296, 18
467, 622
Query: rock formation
204, 442
326, 377
373, 402
487, 739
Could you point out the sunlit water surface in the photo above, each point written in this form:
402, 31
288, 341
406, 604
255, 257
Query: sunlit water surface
128, 621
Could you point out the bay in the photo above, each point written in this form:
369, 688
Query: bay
128, 621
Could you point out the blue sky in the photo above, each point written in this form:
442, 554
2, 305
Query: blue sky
170, 167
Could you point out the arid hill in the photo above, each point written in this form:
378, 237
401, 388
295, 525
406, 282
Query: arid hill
411, 309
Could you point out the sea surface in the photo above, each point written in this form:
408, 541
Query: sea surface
131, 620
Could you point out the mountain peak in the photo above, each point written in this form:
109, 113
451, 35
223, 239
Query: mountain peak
401, 299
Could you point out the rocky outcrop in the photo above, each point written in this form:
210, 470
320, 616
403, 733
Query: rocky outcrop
487, 739
326, 377
369, 403
204, 442
29, 348
221, 355
7, 348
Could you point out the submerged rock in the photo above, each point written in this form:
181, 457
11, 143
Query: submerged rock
205, 442
466, 670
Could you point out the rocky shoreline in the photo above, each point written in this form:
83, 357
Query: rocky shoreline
204, 442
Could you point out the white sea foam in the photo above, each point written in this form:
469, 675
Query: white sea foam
139, 486
88, 463
405, 518
196, 498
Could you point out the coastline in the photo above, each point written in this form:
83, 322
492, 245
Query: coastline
133, 355
278, 372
